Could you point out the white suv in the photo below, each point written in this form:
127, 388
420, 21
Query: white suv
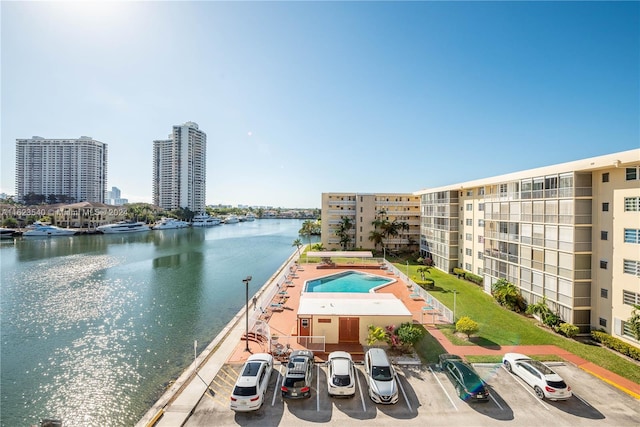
341, 378
251, 386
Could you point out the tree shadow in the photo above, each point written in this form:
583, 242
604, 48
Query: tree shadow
486, 343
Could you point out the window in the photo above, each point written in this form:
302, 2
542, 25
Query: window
481, 223
480, 255
605, 207
469, 192
468, 236
469, 206
603, 264
631, 235
605, 177
468, 267
481, 206
503, 189
627, 331
604, 293
632, 204
305, 323
480, 239
604, 235
632, 173
631, 267
481, 191
469, 221
630, 298
603, 322
468, 252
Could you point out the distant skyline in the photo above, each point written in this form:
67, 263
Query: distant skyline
300, 98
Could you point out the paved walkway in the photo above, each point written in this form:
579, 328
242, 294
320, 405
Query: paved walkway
615, 380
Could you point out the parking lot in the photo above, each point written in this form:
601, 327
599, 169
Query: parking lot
426, 397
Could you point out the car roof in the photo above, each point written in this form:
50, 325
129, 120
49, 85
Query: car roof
378, 357
466, 370
302, 353
339, 354
341, 366
263, 357
297, 368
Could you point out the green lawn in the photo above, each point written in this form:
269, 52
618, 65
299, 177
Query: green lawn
499, 327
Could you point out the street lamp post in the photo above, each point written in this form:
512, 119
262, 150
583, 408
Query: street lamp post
246, 336
407, 269
454, 305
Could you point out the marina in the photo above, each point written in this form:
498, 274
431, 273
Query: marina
95, 327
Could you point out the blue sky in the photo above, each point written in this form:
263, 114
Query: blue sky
300, 98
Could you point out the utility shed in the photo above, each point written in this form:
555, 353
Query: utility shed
345, 317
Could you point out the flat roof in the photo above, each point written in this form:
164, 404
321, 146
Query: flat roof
342, 304
342, 254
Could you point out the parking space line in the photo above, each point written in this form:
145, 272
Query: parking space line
364, 408
318, 390
406, 399
496, 402
526, 387
275, 392
443, 389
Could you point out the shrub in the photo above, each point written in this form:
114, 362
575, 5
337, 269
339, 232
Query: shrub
425, 284
473, 278
616, 344
409, 334
467, 326
458, 272
508, 295
568, 329
376, 334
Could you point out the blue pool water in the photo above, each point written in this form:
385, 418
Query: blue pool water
349, 281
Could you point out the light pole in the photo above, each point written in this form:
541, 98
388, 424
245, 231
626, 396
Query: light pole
384, 253
407, 269
246, 336
454, 305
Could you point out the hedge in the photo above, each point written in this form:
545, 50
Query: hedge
467, 276
616, 344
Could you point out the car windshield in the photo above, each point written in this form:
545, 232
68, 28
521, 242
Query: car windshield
251, 369
381, 373
245, 391
341, 380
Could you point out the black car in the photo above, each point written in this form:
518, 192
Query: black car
469, 386
297, 379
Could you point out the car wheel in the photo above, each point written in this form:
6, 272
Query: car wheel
539, 392
507, 365
459, 391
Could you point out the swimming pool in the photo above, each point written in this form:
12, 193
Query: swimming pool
348, 281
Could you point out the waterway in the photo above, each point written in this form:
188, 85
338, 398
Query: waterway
94, 327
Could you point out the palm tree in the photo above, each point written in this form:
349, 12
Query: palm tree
307, 230
389, 229
343, 232
297, 243
376, 237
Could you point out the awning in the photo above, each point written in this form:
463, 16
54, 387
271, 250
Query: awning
341, 254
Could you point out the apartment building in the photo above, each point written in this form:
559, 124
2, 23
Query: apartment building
362, 212
70, 169
568, 232
180, 169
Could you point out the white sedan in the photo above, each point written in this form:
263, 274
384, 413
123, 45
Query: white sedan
545, 382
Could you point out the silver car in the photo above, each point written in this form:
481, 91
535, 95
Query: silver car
381, 377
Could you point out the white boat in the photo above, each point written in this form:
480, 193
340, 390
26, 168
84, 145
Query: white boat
170, 223
249, 217
123, 227
205, 220
231, 219
7, 233
40, 229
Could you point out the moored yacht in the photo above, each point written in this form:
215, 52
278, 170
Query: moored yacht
205, 220
40, 229
123, 227
7, 233
249, 216
231, 219
170, 223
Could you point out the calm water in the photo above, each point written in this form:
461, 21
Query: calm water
349, 281
94, 327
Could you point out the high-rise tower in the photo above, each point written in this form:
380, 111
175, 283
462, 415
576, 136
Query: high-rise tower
179, 169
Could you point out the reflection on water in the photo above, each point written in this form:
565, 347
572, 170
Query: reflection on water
93, 327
